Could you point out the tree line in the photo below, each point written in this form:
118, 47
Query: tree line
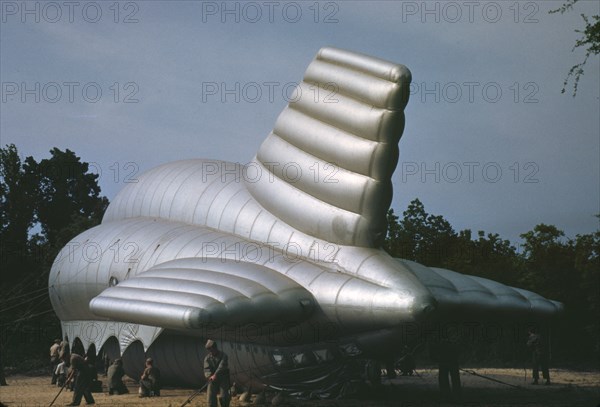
550, 264
44, 204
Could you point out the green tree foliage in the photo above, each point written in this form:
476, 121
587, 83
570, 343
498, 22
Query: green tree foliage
69, 198
431, 240
42, 206
487, 256
590, 40
567, 270
18, 194
587, 262
549, 261
58, 196
425, 238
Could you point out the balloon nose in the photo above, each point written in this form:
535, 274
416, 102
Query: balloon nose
424, 307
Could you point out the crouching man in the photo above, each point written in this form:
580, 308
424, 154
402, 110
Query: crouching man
150, 380
61, 372
115, 375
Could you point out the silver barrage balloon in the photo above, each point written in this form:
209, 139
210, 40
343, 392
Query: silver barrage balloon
278, 260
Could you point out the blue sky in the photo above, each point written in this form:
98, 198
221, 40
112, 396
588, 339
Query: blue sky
490, 141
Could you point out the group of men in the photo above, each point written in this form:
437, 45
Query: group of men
216, 371
78, 374
72, 371
84, 374
60, 352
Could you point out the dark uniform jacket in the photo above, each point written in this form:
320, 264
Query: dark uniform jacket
536, 344
84, 374
64, 350
115, 375
218, 364
152, 374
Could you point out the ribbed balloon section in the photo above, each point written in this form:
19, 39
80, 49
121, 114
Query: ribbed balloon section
326, 167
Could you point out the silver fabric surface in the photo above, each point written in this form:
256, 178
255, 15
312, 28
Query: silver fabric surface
192, 292
328, 163
206, 242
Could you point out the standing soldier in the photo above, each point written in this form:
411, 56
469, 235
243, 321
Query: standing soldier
445, 351
54, 358
539, 355
107, 364
216, 371
65, 350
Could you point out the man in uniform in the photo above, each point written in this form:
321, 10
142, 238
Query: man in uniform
62, 372
407, 363
54, 358
150, 380
83, 381
65, 350
216, 371
539, 356
107, 364
115, 378
445, 351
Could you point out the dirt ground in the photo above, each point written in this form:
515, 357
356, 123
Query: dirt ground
569, 389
